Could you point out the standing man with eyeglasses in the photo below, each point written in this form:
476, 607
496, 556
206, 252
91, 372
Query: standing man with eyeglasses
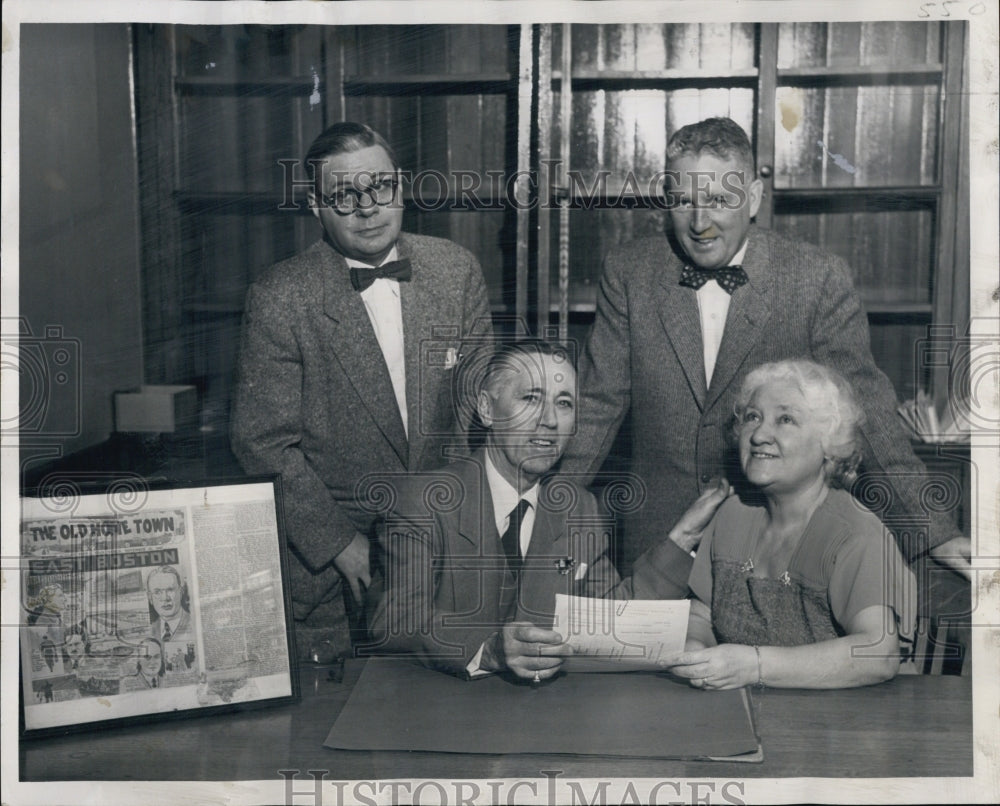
681, 320
345, 370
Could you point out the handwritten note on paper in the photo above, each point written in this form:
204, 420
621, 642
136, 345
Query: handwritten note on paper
609, 635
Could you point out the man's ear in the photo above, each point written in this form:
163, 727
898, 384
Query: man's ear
313, 205
756, 190
484, 408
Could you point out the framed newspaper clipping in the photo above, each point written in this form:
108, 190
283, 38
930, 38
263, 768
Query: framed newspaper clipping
143, 601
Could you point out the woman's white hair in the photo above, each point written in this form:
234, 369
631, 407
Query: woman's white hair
830, 398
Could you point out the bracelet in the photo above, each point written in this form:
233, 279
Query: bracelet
760, 673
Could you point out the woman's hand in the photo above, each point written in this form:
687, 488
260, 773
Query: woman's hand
687, 531
532, 652
718, 667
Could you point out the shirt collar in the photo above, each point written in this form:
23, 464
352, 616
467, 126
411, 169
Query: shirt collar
738, 257
360, 264
504, 495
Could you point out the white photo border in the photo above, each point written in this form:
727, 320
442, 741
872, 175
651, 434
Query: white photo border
984, 786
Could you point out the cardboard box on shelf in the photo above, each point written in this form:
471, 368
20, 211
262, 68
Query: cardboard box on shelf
158, 409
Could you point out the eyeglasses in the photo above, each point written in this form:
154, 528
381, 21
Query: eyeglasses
346, 201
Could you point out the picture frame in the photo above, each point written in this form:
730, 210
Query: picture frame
145, 601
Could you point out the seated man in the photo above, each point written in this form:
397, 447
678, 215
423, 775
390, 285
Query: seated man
476, 552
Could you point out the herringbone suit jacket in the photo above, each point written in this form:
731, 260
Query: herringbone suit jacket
314, 401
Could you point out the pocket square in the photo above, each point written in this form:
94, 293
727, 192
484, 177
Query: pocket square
443, 357
581, 572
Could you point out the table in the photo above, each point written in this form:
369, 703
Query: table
914, 725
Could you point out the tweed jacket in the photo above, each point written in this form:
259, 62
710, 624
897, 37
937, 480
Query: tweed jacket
448, 587
314, 401
644, 356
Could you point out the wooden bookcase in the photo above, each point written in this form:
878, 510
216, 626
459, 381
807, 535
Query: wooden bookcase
858, 131
223, 111
225, 115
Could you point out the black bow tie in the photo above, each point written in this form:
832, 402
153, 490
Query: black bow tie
729, 278
361, 277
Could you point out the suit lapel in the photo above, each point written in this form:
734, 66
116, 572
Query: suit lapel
678, 309
476, 520
540, 579
749, 311
354, 344
549, 533
477, 525
418, 303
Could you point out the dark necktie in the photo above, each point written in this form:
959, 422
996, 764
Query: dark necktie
512, 537
361, 277
166, 632
729, 278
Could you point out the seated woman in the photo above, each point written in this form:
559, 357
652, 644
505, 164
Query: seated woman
797, 584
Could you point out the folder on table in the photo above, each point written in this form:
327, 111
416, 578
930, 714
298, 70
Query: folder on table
400, 705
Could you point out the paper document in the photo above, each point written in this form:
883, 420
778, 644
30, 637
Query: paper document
620, 635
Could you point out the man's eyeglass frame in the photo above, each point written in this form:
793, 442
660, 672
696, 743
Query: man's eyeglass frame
348, 201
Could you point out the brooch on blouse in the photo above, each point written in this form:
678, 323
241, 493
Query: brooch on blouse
747, 568
565, 564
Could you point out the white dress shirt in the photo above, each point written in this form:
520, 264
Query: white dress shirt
384, 307
505, 499
713, 307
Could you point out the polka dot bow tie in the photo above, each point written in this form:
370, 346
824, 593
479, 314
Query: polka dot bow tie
729, 278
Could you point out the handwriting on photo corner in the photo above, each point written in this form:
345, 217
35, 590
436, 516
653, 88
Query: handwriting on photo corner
950, 8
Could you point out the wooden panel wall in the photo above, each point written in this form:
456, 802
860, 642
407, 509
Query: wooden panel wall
443, 132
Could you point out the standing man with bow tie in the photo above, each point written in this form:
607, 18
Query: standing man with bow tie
681, 320
345, 369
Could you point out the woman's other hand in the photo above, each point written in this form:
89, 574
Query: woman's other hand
715, 668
